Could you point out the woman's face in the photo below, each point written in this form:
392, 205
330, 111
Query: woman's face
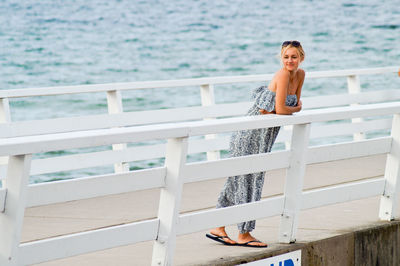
291, 59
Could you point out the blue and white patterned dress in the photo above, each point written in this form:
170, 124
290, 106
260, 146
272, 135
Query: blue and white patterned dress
247, 188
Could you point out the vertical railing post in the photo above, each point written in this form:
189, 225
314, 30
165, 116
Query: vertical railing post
207, 99
114, 101
11, 220
389, 200
294, 183
170, 202
353, 86
5, 117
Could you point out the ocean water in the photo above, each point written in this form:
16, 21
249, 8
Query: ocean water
56, 43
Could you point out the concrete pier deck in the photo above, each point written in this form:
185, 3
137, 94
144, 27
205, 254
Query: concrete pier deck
195, 249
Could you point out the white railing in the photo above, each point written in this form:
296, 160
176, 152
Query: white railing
16, 194
210, 81
122, 155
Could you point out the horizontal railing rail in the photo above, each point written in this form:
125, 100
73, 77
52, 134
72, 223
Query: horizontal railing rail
212, 144
115, 183
153, 151
47, 91
17, 194
91, 138
90, 122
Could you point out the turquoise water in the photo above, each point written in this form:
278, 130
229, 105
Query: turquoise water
55, 43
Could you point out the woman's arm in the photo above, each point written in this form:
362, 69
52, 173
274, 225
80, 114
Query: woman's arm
302, 76
282, 83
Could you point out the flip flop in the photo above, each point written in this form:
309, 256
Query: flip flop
252, 246
220, 239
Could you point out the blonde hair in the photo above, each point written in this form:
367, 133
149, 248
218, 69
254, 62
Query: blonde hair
299, 49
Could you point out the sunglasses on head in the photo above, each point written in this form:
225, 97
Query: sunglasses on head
293, 43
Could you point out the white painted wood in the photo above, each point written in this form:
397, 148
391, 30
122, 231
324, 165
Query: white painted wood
342, 129
209, 170
5, 117
93, 159
81, 139
96, 186
353, 84
325, 196
16, 93
102, 158
69, 124
34, 144
351, 72
294, 183
169, 115
201, 171
85, 242
354, 87
11, 219
46, 91
81, 161
114, 104
207, 95
321, 131
388, 209
208, 99
307, 116
348, 150
170, 199
3, 193
369, 97
202, 220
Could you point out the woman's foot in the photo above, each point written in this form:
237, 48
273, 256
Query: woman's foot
220, 232
248, 240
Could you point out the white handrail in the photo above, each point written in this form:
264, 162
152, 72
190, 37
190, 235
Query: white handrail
117, 117
47, 91
89, 122
80, 139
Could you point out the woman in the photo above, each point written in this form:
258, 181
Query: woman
282, 96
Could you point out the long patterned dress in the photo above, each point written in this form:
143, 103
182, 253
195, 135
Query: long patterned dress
247, 188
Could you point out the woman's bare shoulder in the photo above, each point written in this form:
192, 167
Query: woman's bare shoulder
301, 73
282, 74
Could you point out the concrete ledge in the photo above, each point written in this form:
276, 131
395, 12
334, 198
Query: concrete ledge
376, 245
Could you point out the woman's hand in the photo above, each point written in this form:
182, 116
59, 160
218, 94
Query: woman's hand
300, 105
265, 112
